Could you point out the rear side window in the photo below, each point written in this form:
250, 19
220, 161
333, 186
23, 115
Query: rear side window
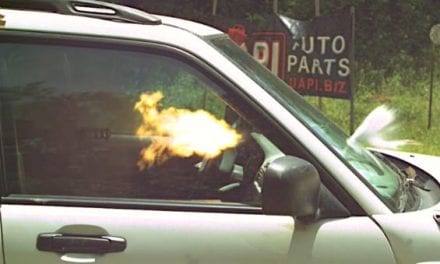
69, 126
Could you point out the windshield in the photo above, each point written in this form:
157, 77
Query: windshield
380, 177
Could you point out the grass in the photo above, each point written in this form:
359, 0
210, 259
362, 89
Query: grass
407, 92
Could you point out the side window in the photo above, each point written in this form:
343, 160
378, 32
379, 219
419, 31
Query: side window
95, 122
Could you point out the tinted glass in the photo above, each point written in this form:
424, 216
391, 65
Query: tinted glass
68, 126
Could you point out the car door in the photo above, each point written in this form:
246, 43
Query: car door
76, 187
80, 184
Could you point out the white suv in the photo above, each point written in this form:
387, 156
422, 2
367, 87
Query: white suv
84, 92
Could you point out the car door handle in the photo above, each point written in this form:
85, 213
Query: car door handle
437, 218
62, 243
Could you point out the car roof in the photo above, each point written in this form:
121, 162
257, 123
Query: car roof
196, 28
75, 24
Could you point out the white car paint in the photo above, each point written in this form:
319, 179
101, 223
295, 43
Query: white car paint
197, 237
417, 231
414, 236
156, 236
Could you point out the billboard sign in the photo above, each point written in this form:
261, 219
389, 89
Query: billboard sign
313, 57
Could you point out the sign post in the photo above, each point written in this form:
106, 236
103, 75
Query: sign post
317, 14
352, 80
214, 13
214, 7
275, 6
434, 35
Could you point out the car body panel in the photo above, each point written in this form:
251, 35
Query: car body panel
152, 236
185, 237
414, 236
332, 240
51, 22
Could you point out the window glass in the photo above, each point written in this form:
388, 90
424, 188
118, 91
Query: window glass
73, 123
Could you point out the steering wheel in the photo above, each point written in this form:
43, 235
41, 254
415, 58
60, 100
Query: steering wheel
243, 184
223, 164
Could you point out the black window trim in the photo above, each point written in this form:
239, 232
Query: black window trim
128, 203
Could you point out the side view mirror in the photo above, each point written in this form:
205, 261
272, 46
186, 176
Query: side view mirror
291, 187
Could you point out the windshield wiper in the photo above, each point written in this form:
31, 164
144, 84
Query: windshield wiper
409, 181
408, 174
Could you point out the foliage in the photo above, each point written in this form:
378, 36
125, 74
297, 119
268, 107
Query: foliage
387, 32
403, 92
392, 50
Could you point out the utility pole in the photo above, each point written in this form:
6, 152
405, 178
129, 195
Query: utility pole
275, 6
317, 14
214, 13
317, 8
434, 35
214, 7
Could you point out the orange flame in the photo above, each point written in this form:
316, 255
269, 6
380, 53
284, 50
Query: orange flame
180, 132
